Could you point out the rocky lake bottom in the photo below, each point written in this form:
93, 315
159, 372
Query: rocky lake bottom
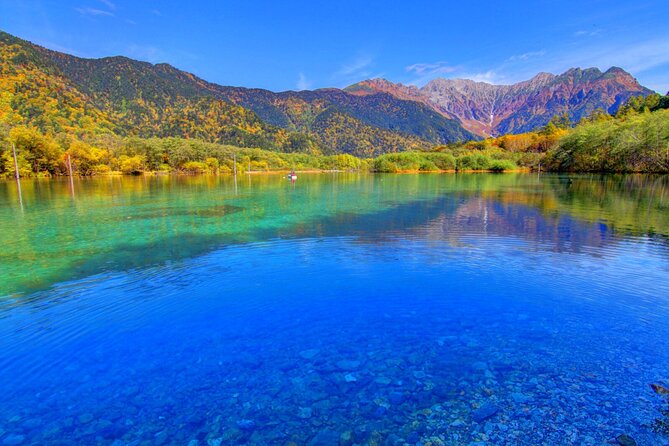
467, 321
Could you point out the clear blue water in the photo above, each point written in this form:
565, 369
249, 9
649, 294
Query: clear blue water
515, 310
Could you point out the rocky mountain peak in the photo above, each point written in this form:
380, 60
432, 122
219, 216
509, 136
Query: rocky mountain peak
487, 109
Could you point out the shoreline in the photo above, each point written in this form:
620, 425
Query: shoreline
318, 171
267, 172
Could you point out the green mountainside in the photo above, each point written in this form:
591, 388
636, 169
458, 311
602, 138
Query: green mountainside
133, 98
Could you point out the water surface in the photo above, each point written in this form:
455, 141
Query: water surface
342, 309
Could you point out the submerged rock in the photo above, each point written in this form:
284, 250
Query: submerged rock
484, 412
348, 365
246, 425
85, 418
304, 412
659, 389
379, 412
310, 353
346, 439
396, 398
480, 366
160, 438
625, 440
382, 380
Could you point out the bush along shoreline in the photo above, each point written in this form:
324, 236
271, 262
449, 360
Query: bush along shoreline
636, 139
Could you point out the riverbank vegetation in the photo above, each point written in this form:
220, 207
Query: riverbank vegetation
636, 139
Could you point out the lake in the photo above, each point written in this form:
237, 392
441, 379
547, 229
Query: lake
342, 309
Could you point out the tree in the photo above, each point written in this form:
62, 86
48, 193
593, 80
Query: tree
132, 165
40, 152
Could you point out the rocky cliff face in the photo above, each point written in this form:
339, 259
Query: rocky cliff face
486, 109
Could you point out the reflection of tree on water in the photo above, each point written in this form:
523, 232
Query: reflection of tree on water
558, 214
20, 194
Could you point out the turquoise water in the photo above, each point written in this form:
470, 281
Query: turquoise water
342, 309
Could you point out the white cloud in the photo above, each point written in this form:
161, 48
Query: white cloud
428, 69
527, 56
93, 12
489, 77
303, 83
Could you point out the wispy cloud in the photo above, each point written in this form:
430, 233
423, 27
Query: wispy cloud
527, 56
636, 58
109, 4
355, 70
155, 12
645, 59
303, 83
93, 12
587, 33
434, 68
425, 72
360, 64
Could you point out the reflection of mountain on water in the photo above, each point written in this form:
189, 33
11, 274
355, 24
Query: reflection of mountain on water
478, 217
458, 220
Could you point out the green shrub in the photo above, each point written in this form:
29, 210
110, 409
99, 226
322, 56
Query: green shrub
443, 161
501, 165
385, 165
473, 161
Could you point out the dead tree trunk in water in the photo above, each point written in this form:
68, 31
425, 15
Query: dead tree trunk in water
16, 163
69, 171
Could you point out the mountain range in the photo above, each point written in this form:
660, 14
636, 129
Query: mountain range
491, 110
61, 93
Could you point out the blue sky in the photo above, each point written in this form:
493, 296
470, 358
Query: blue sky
287, 45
